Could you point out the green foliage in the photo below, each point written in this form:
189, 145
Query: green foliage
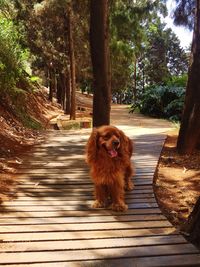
46, 35
163, 57
129, 21
184, 13
26, 119
12, 59
178, 81
162, 102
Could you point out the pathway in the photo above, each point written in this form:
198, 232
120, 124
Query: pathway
51, 222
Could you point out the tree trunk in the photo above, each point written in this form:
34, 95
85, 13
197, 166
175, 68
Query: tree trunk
192, 227
63, 84
68, 93
135, 81
143, 80
100, 61
51, 83
59, 89
72, 65
190, 125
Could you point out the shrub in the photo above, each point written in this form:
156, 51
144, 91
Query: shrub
161, 102
12, 58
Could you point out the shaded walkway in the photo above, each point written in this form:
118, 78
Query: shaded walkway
51, 222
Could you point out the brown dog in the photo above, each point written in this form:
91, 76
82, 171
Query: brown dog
108, 154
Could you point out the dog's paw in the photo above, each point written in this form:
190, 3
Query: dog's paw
119, 207
129, 186
98, 204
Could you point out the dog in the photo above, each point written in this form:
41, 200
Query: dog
108, 154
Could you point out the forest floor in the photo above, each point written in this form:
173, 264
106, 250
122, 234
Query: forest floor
177, 177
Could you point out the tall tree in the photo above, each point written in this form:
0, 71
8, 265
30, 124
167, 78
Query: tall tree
72, 64
189, 133
99, 42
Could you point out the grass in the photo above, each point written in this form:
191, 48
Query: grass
27, 120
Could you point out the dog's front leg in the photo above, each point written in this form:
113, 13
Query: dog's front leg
117, 195
128, 174
100, 196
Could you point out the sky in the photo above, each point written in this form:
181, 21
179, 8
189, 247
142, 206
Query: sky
184, 35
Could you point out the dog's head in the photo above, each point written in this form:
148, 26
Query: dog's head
110, 141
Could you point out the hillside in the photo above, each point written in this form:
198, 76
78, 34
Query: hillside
21, 126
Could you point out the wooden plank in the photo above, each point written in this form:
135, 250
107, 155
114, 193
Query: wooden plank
173, 261
34, 182
66, 177
74, 187
82, 227
90, 243
46, 213
65, 197
96, 212
66, 235
69, 192
189, 260
69, 255
62, 203
86, 219
74, 190
67, 161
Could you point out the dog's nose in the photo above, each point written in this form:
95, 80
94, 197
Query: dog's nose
115, 143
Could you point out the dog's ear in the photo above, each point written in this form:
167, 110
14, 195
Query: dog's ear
91, 147
126, 144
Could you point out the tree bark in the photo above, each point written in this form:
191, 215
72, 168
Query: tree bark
192, 227
99, 44
51, 82
63, 95
59, 89
190, 125
72, 65
135, 81
68, 92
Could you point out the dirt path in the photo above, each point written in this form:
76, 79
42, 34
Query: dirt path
142, 124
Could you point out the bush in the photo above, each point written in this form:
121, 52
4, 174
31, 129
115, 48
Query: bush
161, 102
177, 81
12, 58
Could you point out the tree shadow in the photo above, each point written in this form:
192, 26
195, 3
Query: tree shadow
68, 178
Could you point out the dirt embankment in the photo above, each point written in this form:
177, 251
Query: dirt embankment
177, 179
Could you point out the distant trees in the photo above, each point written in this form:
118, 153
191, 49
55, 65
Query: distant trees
55, 43
161, 74
130, 21
143, 51
163, 54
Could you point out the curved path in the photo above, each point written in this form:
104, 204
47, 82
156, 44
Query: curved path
51, 222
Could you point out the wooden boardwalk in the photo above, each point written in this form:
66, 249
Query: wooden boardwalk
51, 222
